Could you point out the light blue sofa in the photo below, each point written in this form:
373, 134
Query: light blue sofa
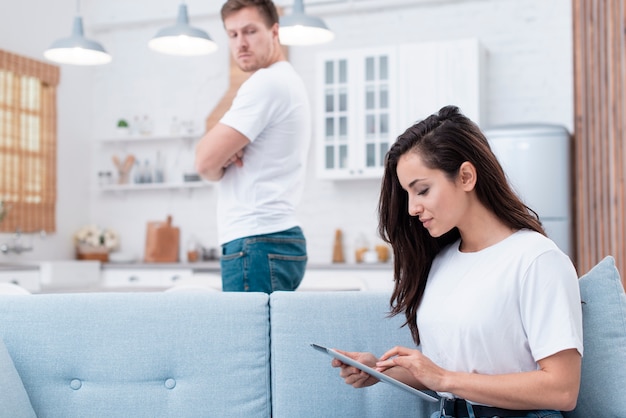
201, 354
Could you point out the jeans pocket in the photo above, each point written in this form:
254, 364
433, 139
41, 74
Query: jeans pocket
286, 271
232, 266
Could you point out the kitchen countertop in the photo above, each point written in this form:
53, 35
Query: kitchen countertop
202, 266
214, 266
18, 267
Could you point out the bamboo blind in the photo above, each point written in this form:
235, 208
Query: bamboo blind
28, 143
600, 125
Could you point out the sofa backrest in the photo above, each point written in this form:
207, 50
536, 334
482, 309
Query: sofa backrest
141, 354
303, 382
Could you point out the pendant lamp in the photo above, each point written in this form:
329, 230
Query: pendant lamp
77, 50
182, 39
298, 28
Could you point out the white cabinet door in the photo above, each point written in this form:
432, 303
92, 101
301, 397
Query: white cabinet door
143, 277
368, 97
356, 112
436, 74
28, 279
380, 280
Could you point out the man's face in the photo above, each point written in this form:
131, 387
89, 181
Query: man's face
251, 43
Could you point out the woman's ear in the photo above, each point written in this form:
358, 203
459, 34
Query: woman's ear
467, 176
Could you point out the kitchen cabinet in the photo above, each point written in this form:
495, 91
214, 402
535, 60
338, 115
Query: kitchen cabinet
374, 277
145, 277
356, 109
318, 277
440, 73
158, 163
26, 278
367, 97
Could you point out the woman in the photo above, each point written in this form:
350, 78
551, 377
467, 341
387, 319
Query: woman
492, 301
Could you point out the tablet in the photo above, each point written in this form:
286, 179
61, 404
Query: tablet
378, 375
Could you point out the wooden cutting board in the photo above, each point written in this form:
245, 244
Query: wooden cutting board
162, 242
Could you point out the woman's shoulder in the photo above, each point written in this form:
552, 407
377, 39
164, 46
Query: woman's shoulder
531, 246
532, 239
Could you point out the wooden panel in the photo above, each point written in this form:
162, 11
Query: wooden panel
600, 110
237, 77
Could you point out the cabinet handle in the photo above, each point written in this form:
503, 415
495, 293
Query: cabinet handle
175, 277
133, 279
15, 281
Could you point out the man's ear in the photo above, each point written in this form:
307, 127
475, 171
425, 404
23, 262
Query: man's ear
275, 29
467, 176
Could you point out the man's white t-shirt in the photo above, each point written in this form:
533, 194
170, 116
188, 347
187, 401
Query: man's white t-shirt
501, 309
272, 110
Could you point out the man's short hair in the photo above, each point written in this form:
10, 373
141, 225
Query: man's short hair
266, 8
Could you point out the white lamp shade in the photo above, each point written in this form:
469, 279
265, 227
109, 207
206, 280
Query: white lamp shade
182, 39
298, 28
77, 50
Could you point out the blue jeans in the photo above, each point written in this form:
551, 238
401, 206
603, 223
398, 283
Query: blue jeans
264, 263
536, 414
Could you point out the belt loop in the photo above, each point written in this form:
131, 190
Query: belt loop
442, 407
470, 410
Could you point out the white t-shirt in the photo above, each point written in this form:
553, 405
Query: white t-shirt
501, 309
272, 110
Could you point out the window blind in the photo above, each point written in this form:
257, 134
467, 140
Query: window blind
28, 136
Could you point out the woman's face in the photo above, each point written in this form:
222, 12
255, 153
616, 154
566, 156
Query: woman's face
438, 201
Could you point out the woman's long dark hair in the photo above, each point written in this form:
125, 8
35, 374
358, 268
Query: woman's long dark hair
444, 141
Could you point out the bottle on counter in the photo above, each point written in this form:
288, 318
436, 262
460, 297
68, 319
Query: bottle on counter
338, 256
383, 252
192, 250
360, 248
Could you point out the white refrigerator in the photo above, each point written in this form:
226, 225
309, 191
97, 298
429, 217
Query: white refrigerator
537, 161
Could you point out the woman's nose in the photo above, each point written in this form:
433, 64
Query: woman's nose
415, 208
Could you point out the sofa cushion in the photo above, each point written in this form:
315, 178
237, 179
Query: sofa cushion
604, 360
303, 382
13, 398
152, 355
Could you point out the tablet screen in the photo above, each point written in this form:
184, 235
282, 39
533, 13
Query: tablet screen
372, 372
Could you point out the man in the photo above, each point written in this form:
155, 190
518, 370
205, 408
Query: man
257, 152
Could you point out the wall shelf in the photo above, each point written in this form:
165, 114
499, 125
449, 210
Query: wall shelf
149, 138
179, 148
154, 186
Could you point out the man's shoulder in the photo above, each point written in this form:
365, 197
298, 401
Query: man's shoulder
280, 76
278, 71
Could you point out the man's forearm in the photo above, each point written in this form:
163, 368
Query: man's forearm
213, 175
